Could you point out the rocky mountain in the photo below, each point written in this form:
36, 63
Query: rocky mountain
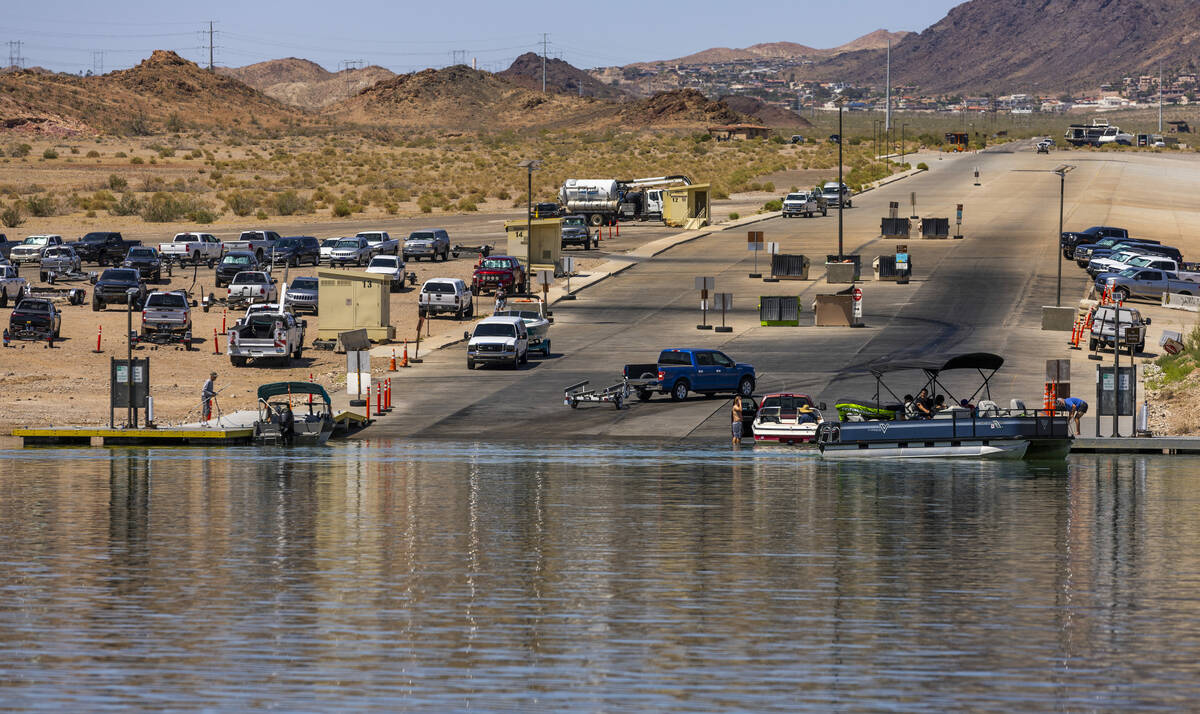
561, 77
780, 50
135, 100
306, 84
769, 115
679, 108
1003, 46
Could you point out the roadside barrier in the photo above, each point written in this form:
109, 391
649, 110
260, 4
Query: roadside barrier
216, 343
99, 332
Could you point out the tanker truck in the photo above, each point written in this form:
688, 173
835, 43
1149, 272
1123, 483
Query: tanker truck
604, 201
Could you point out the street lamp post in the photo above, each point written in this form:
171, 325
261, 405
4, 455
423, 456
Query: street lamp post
841, 194
531, 165
1062, 172
902, 129
129, 295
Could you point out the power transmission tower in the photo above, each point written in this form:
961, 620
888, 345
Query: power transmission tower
98, 62
458, 57
14, 54
210, 46
544, 43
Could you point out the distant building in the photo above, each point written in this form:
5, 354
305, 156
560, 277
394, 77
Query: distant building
738, 131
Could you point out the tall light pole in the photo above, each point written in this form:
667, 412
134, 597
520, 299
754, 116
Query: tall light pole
530, 165
841, 196
1062, 172
902, 128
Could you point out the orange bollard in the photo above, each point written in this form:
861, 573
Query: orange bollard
99, 332
618, 229
378, 401
404, 363
223, 314
387, 396
216, 343
392, 363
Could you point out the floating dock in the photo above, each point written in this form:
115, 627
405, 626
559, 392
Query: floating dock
344, 423
1136, 445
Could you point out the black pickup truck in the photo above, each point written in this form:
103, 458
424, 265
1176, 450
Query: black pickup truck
113, 286
1070, 240
34, 319
103, 247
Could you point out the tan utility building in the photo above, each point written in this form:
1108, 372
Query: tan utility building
738, 131
542, 250
352, 300
687, 206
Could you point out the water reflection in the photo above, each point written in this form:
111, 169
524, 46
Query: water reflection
594, 577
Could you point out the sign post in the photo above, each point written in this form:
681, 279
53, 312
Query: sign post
131, 391
704, 285
913, 197
902, 265
754, 242
857, 294
958, 221
725, 300
545, 278
568, 264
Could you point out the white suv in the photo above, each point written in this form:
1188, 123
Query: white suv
499, 339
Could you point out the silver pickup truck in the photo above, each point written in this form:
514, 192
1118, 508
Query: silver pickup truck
1148, 283
167, 314
266, 333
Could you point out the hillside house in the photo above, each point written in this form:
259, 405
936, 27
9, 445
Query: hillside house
738, 131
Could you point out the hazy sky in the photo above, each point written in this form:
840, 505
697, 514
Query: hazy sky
407, 36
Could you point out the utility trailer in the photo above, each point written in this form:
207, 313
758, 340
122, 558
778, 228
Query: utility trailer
616, 394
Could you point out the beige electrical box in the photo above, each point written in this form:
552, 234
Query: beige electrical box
351, 300
687, 206
542, 250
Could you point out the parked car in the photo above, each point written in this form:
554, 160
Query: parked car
146, 260
167, 312
350, 250
1043, 147
252, 286
1084, 251
496, 270
327, 246
6, 246
12, 286
296, 250
302, 295
103, 247
391, 266
427, 244
264, 334
234, 262
803, 203
679, 371
537, 321
1148, 283
113, 288
442, 295
257, 242
380, 242
60, 260
1132, 329
498, 339
192, 247
1099, 258
548, 210
833, 196
1154, 262
30, 250
575, 232
34, 319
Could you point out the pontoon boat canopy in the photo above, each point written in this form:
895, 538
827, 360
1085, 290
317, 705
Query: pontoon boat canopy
276, 389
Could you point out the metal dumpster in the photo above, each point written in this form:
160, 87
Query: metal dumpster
895, 227
779, 310
834, 311
885, 268
786, 266
935, 227
841, 271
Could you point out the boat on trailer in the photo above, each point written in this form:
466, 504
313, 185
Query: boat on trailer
312, 413
985, 432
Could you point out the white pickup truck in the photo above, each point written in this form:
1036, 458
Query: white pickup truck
259, 243
266, 334
440, 295
30, 250
195, 248
251, 286
167, 314
12, 286
803, 203
381, 243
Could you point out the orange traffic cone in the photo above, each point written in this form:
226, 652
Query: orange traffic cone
392, 363
404, 363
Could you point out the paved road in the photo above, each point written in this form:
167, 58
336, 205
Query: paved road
984, 292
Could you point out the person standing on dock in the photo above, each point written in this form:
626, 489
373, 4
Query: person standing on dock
1075, 409
207, 394
736, 425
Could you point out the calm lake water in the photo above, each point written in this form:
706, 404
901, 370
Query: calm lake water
400, 576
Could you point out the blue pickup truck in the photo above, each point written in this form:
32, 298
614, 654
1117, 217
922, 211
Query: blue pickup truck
679, 371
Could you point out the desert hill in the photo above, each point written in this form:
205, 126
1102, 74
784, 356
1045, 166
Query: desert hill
306, 84
780, 50
1018, 45
135, 100
561, 77
679, 108
769, 115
